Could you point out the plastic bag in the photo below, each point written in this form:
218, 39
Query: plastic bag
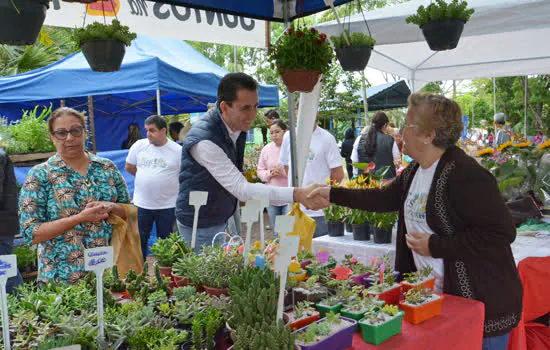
304, 227
126, 242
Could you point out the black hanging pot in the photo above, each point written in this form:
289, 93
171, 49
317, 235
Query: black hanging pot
443, 34
23, 27
361, 232
354, 58
335, 229
381, 235
103, 55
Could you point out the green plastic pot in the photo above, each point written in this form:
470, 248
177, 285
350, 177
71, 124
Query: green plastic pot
357, 316
379, 333
324, 310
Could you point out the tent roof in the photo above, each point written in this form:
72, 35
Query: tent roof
187, 80
503, 38
271, 10
388, 96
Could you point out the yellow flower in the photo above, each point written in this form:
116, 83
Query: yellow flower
522, 145
543, 146
486, 151
504, 146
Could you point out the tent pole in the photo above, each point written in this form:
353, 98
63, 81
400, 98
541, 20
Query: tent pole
495, 102
364, 93
473, 115
62, 103
159, 112
526, 101
235, 64
92, 122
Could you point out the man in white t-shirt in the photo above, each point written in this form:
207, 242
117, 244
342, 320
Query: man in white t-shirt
323, 161
155, 162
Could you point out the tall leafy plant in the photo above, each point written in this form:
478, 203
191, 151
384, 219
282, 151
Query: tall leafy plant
29, 134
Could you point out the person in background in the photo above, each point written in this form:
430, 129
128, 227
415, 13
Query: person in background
346, 149
175, 129
9, 220
270, 171
323, 162
134, 134
503, 134
378, 147
271, 116
65, 201
451, 217
155, 162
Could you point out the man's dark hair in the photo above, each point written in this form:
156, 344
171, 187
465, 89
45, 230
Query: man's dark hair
231, 83
176, 126
157, 120
272, 114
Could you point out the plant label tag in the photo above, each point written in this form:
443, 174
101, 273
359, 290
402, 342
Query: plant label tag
198, 198
322, 257
97, 259
249, 213
259, 262
284, 224
287, 249
264, 203
8, 266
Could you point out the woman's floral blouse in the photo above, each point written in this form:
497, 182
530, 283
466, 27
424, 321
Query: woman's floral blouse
61, 259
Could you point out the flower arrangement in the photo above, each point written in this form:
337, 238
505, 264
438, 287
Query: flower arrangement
251, 156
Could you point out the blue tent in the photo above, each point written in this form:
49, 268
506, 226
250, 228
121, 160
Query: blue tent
271, 10
184, 79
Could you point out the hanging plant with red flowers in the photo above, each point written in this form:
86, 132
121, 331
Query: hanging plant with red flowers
301, 50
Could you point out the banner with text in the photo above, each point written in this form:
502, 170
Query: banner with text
162, 20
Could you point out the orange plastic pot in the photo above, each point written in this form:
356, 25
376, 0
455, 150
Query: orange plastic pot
215, 291
297, 324
391, 296
419, 313
428, 284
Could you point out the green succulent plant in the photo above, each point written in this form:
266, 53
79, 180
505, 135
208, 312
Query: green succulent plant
355, 39
440, 10
100, 31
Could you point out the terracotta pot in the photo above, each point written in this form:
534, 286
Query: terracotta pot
300, 80
215, 291
165, 271
420, 313
180, 281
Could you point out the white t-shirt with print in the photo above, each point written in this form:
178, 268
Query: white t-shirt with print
415, 220
323, 156
156, 184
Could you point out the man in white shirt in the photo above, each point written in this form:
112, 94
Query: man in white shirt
212, 159
155, 162
324, 161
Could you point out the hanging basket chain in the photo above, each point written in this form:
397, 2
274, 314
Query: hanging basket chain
363, 14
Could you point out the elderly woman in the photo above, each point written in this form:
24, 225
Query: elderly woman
64, 202
451, 216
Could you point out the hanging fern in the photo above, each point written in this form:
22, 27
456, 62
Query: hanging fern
100, 31
440, 10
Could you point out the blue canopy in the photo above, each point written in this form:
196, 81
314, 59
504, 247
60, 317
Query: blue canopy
260, 9
186, 80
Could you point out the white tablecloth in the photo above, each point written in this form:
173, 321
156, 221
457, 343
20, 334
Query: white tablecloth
364, 251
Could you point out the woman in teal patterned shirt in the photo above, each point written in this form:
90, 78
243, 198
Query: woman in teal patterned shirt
64, 202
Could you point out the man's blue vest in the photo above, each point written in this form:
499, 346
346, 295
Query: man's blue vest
194, 177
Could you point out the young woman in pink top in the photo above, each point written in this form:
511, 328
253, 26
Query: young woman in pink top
269, 169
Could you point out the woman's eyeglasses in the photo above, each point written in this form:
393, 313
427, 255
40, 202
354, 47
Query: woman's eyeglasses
62, 134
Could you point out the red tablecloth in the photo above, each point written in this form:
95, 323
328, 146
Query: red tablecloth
535, 278
459, 327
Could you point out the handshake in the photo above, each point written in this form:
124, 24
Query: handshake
313, 197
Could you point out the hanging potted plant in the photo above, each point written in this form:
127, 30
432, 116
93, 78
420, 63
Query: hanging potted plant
381, 323
442, 23
421, 304
353, 50
422, 278
381, 225
104, 45
301, 55
21, 20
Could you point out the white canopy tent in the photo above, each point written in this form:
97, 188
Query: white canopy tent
503, 38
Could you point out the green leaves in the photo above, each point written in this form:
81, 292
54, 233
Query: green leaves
29, 134
355, 39
100, 31
440, 10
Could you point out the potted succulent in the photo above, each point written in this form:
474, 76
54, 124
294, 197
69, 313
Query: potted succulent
381, 323
356, 307
381, 225
21, 20
353, 50
305, 257
419, 278
360, 224
331, 304
316, 266
183, 267
309, 290
442, 23
104, 45
167, 251
301, 55
216, 269
389, 291
332, 332
117, 286
264, 335
304, 313
26, 258
421, 304
333, 217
